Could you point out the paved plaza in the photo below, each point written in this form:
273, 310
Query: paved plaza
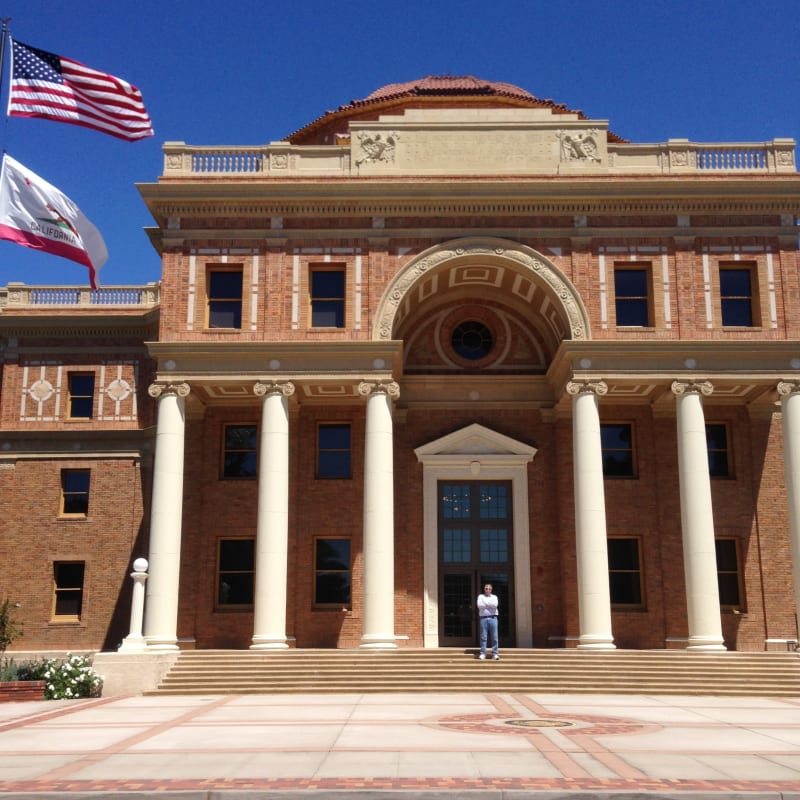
402, 746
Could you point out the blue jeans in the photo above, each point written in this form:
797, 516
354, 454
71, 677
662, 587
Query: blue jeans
489, 631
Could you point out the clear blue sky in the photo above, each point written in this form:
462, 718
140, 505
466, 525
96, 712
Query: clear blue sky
246, 72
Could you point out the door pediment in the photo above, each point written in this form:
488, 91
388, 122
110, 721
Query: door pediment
474, 442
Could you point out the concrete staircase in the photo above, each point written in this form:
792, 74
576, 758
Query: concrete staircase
453, 670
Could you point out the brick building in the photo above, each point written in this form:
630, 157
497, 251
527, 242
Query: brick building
445, 334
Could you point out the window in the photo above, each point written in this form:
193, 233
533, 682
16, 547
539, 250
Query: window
616, 440
624, 571
719, 462
75, 492
235, 572
81, 395
224, 298
332, 572
68, 590
729, 578
239, 456
632, 296
327, 297
736, 285
472, 340
333, 451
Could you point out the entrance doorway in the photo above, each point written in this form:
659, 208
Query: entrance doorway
476, 538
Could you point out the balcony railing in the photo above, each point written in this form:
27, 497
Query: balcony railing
676, 156
19, 295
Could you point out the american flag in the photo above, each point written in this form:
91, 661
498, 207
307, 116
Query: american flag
58, 88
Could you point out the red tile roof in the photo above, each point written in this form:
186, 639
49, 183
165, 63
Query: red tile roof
463, 90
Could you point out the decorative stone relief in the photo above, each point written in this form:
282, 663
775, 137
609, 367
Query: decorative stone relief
682, 158
41, 390
118, 389
518, 254
376, 147
279, 161
579, 146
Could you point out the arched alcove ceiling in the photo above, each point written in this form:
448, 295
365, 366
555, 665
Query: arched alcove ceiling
476, 270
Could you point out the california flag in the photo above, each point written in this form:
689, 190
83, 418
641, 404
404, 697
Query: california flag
35, 214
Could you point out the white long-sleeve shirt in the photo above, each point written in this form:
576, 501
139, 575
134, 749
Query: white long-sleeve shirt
487, 605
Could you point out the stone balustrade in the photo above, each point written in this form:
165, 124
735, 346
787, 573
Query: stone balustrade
676, 156
20, 295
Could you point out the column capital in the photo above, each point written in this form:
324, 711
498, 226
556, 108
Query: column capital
390, 388
159, 389
262, 388
786, 388
597, 387
680, 388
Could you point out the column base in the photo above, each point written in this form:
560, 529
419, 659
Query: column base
133, 644
596, 642
269, 643
375, 642
700, 644
154, 643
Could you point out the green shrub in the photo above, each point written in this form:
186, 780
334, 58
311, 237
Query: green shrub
9, 629
67, 680
31, 670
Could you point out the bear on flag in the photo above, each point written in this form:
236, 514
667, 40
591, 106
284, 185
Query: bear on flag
35, 214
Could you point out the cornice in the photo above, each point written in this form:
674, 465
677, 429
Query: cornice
71, 321
191, 360
282, 207
490, 195
743, 360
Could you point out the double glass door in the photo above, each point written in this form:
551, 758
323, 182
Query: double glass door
475, 529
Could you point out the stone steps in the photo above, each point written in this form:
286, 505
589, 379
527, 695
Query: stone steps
676, 672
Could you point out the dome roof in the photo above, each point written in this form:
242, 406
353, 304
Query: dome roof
447, 85
461, 90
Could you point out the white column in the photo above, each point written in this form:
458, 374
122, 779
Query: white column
134, 641
272, 530
594, 598
697, 519
790, 406
161, 605
378, 620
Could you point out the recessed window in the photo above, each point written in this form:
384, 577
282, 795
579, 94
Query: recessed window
332, 572
240, 451
68, 577
719, 460
616, 440
236, 572
334, 454
736, 293
81, 395
327, 297
224, 293
472, 340
625, 571
75, 492
729, 576
632, 296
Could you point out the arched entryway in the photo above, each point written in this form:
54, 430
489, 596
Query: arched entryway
480, 320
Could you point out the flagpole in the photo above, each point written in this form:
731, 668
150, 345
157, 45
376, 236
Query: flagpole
3, 38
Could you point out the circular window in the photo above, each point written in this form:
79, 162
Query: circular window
472, 340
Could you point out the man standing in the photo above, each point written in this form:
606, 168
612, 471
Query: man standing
487, 612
